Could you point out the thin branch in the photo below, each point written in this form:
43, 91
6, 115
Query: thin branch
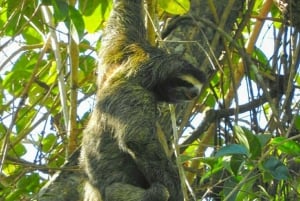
212, 115
55, 46
72, 127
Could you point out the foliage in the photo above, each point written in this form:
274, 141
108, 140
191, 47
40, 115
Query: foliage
240, 142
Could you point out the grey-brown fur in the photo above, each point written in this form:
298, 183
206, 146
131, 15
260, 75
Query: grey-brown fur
121, 154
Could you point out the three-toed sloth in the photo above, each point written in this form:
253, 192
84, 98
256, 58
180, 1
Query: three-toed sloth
121, 154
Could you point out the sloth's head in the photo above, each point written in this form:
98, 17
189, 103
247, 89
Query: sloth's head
181, 88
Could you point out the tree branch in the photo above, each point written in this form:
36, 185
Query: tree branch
212, 115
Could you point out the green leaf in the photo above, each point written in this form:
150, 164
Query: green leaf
276, 14
25, 117
286, 146
276, 168
18, 150
215, 166
32, 36
3, 16
61, 9
15, 79
229, 185
249, 140
77, 23
232, 149
264, 139
29, 183
88, 7
262, 58
236, 162
14, 15
210, 100
48, 142
94, 20
14, 195
242, 138
297, 122
246, 192
176, 7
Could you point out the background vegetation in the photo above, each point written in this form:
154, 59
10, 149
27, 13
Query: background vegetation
238, 141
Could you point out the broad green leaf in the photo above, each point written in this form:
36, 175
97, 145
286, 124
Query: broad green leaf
29, 183
3, 16
36, 94
276, 168
87, 64
229, 185
276, 14
235, 163
77, 23
176, 7
242, 138
61, 9
286, 146
87, 7
232, 149
94, 20
25, 117
11, 169
262, 58
18, 150
15, 79
210, 101
247, 138
297, 122
49, 74
264, 139
215, 166
246, 192
15, 18
14, 195
48, 142
32, 36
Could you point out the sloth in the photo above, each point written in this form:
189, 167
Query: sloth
121, 154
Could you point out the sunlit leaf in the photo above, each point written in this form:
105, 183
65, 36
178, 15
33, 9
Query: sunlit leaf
26, 115
48, 142
17, 151
16, 79
87, 7
94, 20
177, 7
10, 169
286, 146
32, 36
242, 138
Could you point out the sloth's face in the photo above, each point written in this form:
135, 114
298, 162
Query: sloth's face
178, 89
